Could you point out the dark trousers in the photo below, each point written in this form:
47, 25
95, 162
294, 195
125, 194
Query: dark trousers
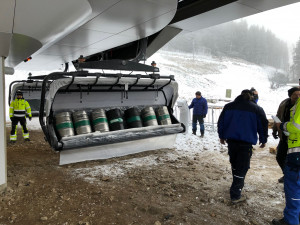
15, 122
201, 122
239, 156
282, 149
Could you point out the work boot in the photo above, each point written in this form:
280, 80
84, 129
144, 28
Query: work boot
279, 222
241, 199
12, 142
27, 139
202, 133
281, 180
194, 132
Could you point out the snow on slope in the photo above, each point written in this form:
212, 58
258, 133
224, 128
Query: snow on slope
213, 76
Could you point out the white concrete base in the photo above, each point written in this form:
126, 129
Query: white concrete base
117, 149
3, 164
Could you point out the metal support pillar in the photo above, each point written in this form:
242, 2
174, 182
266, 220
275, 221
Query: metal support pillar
3, 162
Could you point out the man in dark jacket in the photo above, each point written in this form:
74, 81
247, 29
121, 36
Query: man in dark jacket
238, 125
200, 110
283, 113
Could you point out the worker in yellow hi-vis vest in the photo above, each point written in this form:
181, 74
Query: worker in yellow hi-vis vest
17, 113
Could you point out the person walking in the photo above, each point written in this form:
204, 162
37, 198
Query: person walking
199, 105
292, 168
238, 125
254, 94
283, 113
17, 113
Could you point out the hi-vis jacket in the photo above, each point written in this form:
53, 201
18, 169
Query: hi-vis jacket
19, 107
293, 127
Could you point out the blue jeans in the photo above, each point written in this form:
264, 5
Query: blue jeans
201, 122
292, 195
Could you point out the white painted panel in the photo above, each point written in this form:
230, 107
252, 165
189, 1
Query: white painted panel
143, 18
3, 165
116, 150
100, 6
47, 20
44, 62
5, 39
106, 44
60, 50
6, 16
83, 38
129, 13
149, 27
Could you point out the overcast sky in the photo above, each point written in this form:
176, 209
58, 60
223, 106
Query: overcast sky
284, 22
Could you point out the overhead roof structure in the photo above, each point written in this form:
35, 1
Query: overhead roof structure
59, 31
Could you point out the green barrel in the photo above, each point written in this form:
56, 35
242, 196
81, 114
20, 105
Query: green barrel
163, 116
100, 122
64, 124
148, 117
81, 122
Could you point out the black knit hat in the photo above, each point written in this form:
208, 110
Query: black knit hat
292, 90
198, 93
246, 91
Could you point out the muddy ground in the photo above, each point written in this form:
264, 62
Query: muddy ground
175, 189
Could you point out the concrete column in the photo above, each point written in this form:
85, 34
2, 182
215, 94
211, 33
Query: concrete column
3, 162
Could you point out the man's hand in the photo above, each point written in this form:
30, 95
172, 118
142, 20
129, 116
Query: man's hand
204, 116
262, 145
11, 118
30, 118
275, 135
222, 141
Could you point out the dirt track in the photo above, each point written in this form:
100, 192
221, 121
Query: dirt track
176, 189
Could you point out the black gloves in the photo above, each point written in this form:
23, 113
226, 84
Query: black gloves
11, 118
275, 135
204, 116
30, 118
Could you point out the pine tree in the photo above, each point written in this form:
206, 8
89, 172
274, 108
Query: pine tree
295, 68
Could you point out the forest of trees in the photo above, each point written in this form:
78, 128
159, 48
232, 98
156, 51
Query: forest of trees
236, 39
295, 67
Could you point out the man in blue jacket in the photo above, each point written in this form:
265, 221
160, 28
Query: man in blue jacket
238, 125
199, 112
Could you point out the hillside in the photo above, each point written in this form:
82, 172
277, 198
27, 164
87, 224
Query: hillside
212, 76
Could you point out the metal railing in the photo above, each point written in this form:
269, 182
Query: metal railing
211, 118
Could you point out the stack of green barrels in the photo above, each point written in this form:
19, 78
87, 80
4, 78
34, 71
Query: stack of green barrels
68, 124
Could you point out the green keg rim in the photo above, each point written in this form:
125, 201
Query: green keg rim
133, 119
64, 125
99, 120
147, 118
117, 120
166, 116
82, 123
